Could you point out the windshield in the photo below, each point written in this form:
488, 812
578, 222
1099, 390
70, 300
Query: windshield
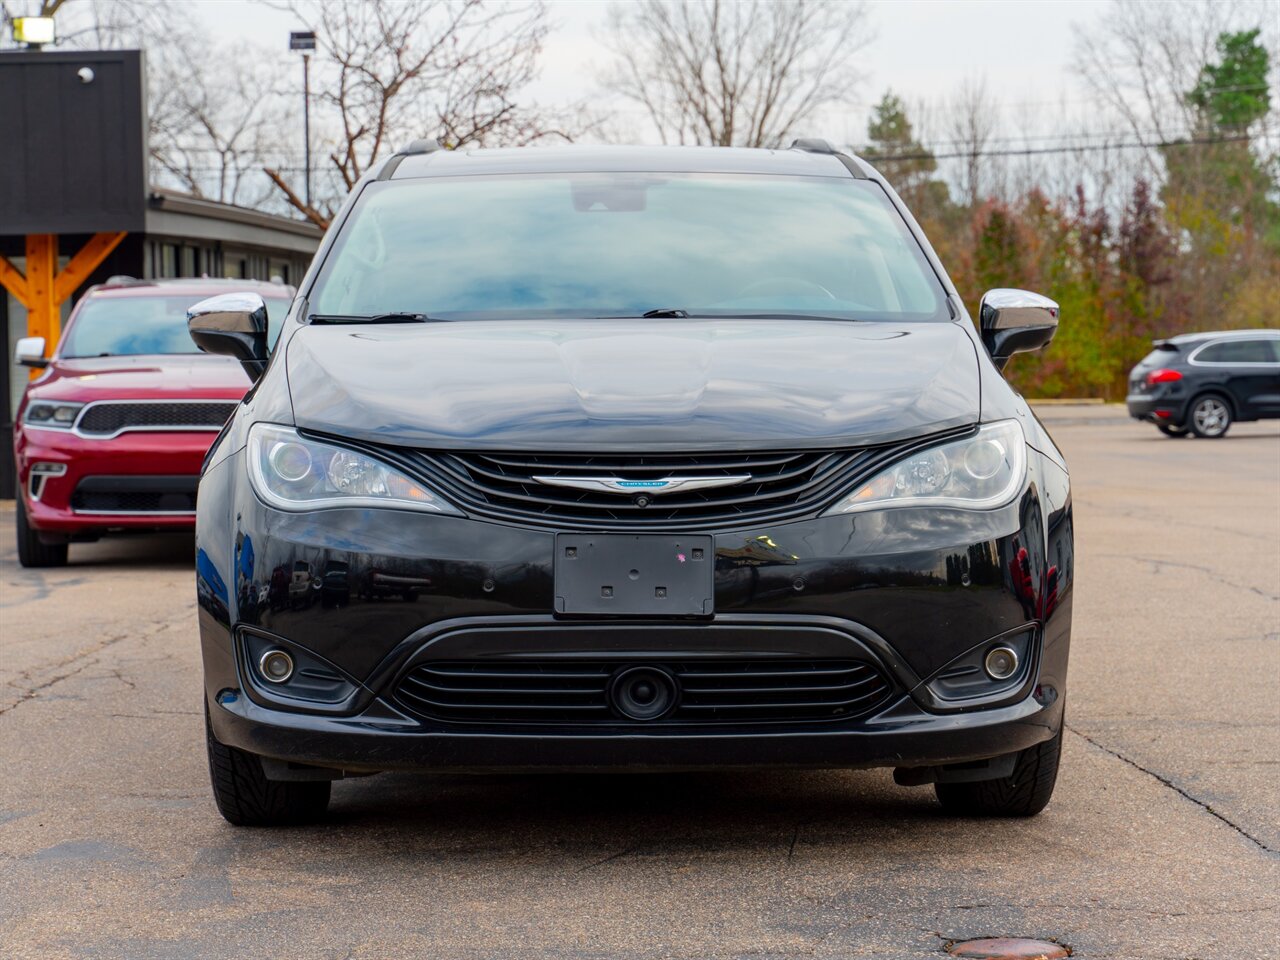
122, 326
620, 245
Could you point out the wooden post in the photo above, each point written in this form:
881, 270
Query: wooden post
43, 317
43, 290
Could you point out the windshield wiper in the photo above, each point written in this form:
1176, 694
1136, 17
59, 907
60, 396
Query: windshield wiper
373, 318
772, 315
666, 312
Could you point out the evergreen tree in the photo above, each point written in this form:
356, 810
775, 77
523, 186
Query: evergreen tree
1233, 94
998, 259
1215, 191
905, 163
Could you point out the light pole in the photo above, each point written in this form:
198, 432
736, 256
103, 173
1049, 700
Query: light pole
306, 42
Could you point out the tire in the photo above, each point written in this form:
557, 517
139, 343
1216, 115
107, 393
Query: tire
1169, 430
246, 798
1210, 416
32, 551
1024, 793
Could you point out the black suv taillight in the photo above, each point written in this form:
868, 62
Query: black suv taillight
1162, 376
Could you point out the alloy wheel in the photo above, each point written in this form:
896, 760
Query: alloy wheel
1211, 417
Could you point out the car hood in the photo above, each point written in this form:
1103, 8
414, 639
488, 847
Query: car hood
141, 378
665, 384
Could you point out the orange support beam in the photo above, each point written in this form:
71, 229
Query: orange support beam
11, 279
44, 289
43, 316
84, 263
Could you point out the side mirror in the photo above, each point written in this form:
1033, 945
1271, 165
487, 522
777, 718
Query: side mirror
235, 325
29, 352
1015, 321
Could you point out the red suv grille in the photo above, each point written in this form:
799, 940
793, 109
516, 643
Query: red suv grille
112, 417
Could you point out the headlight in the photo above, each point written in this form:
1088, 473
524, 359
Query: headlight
977, 473
293, 473
45, 413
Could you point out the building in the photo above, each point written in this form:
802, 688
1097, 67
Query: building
75, 207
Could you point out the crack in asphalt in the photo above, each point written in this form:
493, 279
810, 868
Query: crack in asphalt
1176, 789
609, 859
26, 694
1157, 563
1093, 906
31, 693
1133, 512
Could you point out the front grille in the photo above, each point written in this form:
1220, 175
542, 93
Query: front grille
783, 485
519, 690
112, 417
130, 494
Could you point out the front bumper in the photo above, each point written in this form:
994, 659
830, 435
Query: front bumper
902, 735
907, 590
138, 454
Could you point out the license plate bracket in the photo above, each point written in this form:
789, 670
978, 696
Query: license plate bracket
634, 575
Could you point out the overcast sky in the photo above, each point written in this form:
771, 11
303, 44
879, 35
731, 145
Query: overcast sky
922, 49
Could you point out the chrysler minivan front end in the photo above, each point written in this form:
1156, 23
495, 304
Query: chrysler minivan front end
637, 460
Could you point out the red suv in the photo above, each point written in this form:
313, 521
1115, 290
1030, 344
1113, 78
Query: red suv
111, 436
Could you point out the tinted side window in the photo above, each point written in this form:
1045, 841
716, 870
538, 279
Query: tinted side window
1238, 351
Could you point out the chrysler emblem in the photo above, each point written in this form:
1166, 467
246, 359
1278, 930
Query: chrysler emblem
651, 487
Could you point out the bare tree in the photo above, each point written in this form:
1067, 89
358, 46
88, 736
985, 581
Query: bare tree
1144, 55
747, 73
99, 24
972, 121
395, 70
214, 121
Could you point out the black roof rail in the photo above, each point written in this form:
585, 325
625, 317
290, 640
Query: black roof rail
818, 145
812, 145
416, 147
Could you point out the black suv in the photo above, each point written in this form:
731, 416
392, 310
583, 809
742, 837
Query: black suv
635, 459
1201, 383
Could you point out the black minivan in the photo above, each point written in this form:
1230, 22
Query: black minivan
676, 458
1200, 383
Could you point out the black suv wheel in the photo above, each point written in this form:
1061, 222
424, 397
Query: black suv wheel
1210, 417
247, 798
1023, 793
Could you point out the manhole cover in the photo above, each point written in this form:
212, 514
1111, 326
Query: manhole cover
1008, 948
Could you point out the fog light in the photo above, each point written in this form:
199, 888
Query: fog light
1001, 663
276, 666
40, 474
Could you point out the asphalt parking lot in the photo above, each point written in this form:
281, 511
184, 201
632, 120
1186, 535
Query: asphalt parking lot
1162, 841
